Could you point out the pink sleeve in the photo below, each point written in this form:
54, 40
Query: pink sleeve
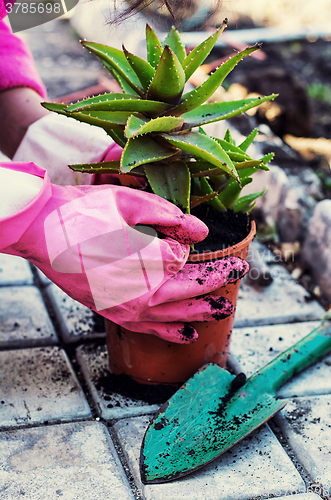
17, 68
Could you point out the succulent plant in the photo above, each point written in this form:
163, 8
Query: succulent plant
160, 127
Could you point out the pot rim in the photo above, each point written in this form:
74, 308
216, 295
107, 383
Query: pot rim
226, 252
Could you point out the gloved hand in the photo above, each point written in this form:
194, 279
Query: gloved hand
56, 141
83, 239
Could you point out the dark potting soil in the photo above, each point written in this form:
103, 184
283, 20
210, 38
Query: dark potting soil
110, 383
225, 228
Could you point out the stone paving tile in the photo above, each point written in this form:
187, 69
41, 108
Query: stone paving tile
306, 422
39, 385
69, 461
23, 318
253, 347
76, 321
281, 302
14, 271
93, 361
256, 467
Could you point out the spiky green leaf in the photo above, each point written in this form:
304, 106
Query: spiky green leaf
105, 167
56, 107
215, 202
231, 194
169, 79
267, 158
126, 88
231, 148
196, 57
216, 111
228, 137
237, 157
249, 139
104, 102
246, 203
203, 169
175, 43
198, 200
255, 164
143, 149
116, 59
133, 126
104, 119
142, 68
204, 147
154, 47
171, 182
161, 124
119, 102
202, 93
247, 172
118, 136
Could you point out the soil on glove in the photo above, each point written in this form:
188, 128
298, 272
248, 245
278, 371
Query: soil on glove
225, 228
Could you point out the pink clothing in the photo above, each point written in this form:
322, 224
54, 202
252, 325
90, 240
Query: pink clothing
17, 68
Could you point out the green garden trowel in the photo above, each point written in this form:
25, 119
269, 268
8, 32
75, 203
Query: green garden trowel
214, 410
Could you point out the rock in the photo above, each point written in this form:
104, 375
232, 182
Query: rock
316, 250
297, 208
291, 112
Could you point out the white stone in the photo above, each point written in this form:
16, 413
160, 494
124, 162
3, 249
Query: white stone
256, 467
75, 320
24, 320
70, 461
281, 302
111, 405
254, 347
277, 184
316, 250
39, 385
14, 271
306, 423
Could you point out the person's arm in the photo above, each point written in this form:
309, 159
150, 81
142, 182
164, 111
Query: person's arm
21, 90
19, 108
28, 132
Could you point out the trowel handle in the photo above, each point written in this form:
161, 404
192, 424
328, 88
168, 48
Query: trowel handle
298, 357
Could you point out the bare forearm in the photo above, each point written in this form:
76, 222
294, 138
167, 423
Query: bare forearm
19, 108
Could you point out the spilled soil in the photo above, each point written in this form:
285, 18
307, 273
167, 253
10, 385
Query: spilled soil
108, 384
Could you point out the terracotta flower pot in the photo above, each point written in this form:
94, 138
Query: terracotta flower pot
151, 360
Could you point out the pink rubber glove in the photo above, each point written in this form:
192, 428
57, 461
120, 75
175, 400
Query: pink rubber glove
82, 238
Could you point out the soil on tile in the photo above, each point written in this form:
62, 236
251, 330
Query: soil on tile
298, 416
109, 384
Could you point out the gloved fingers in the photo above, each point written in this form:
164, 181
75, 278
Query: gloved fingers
139, 207
199, 279
206, 308
177, 332
112, 153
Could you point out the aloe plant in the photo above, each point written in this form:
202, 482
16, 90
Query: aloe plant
160, 127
